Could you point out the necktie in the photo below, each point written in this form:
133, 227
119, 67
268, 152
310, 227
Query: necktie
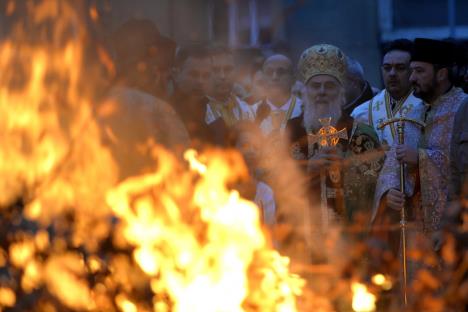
277, 118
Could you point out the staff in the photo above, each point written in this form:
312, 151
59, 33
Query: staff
401, 140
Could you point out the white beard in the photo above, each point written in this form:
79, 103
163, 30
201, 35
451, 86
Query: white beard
313, 112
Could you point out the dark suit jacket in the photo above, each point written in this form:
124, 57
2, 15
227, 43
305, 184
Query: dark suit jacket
192, 114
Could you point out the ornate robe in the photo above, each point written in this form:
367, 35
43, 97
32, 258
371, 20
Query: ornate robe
434, 162
379, 109
232, 111
350, 190
459, 155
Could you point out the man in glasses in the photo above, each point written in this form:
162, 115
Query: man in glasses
280, 105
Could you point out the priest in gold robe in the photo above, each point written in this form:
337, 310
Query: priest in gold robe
342, 156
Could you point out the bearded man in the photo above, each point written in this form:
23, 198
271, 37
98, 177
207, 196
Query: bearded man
427, 163
431, 78
341, 172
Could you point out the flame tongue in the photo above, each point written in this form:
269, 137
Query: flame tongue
363, 300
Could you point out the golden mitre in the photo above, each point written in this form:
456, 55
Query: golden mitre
322, 59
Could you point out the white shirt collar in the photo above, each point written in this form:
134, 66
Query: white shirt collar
283, 107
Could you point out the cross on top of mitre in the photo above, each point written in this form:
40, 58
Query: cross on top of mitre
328, 135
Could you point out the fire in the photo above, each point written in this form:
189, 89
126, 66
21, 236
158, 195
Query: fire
178, 237
7, 297
202, 266
363, 300
125, 304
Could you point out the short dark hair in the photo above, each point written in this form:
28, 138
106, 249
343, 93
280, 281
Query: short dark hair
196, 50
400, 45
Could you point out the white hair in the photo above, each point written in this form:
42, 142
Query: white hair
355, 69
313, 111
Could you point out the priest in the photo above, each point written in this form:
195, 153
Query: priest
397, 98
428, 162
338, 152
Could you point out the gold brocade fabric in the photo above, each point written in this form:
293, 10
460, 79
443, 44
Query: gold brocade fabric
350, 190
434, 157
226, 111
433, 162
322, 59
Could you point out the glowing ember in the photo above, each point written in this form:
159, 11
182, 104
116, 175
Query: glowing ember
125, 305
7, 297
363, 301
382, 281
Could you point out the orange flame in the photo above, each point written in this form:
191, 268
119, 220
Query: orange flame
7, 297
363, 300
202, 266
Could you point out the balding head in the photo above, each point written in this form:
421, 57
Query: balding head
279, 59
355, 69
355, 80
278, 73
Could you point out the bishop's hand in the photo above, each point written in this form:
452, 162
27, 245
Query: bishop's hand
407, 154
395, 199
324, 159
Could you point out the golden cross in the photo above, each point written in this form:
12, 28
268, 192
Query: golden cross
327, 136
